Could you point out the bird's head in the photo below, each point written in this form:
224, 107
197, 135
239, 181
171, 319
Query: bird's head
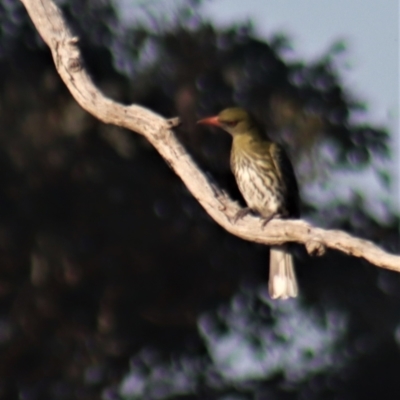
233, 120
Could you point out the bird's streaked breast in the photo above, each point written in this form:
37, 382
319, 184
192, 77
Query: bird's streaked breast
257, 181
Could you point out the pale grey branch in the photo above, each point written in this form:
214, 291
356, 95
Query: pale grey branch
51, 25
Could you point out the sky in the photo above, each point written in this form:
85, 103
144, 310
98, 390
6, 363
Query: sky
370, 69
370, 27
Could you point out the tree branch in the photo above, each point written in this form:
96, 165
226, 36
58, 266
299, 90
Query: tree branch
52, 27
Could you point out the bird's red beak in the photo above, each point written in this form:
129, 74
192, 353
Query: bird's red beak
210, 121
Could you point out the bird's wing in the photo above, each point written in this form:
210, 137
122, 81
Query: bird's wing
286, 171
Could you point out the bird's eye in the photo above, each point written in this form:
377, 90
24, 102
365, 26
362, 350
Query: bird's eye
231, 124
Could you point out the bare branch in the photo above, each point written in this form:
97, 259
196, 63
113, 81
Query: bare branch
54, 31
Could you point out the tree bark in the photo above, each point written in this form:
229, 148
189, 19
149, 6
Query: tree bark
51, 25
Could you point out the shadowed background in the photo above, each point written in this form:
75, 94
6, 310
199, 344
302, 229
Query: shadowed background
114, 283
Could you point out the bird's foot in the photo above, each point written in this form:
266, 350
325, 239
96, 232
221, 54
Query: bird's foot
241, 213
267, 219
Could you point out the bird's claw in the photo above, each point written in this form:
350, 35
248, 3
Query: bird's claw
241, 214
268, 219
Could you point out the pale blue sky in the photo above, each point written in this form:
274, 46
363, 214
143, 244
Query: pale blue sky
370, 68
370, 28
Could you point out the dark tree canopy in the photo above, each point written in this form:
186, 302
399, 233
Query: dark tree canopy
113, 280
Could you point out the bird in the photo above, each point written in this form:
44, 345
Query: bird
267, 182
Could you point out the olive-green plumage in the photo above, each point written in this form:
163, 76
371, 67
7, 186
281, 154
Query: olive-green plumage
266, 179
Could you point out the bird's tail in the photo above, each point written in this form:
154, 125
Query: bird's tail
282, 277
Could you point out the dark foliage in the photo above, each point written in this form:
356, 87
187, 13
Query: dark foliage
111, 272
